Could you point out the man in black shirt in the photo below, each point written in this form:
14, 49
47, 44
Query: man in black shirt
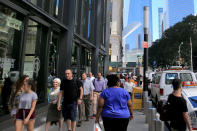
178, 106
72, 91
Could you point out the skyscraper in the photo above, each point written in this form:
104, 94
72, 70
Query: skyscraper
160, 13
176, 10
116, 30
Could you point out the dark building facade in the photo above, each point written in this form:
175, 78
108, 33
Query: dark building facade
44, 37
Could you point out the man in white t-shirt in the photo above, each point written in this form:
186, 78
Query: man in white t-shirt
91, 76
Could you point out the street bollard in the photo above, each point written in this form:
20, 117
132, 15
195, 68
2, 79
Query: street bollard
152, 115
149, 105
145, 107
159, 125
145, 97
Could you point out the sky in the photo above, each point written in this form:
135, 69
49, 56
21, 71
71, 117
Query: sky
133, 12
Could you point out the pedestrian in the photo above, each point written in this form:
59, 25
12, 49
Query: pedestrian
114, 106
72, 92
122, 80
179, 116
129, 86
26, 111
53, 114
17, 89
87, 98
99, 86
91, 76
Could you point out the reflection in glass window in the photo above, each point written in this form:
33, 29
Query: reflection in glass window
34, 60
186, 76
53, 54
11, 28
52, 7
170, 77
75, 52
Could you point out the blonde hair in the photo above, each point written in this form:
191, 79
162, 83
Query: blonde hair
58, 80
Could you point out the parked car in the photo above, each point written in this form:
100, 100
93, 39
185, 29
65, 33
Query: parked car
161, 85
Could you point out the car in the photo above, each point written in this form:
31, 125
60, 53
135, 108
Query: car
189, 93
161, 85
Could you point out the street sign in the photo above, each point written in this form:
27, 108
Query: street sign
145, 44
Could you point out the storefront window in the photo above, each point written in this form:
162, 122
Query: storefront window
34, 61
11, 28
53, 53
75, 54
85, 60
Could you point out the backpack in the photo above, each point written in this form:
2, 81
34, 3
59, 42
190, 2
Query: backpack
164, 109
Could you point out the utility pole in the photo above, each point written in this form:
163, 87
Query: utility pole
180, 53
146, 26
191, 54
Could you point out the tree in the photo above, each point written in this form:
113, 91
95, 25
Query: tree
165, 50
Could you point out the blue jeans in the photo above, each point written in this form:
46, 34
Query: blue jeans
69, 111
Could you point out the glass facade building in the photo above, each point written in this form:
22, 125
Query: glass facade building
40, 38
176, 10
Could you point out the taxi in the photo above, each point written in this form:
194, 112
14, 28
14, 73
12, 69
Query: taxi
189, 92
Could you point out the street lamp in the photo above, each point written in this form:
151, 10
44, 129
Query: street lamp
180, 53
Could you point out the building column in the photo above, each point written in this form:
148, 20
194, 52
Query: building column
97, 36
107, 36
66, 40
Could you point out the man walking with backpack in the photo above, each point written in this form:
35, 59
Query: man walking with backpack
72, 92
179, 120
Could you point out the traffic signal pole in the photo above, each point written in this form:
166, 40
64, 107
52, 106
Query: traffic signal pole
146, 26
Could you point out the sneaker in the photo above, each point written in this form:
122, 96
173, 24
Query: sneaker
79, 124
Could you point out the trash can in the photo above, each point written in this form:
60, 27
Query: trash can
137, 98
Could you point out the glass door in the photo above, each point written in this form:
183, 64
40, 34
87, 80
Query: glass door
35, 56
53, 57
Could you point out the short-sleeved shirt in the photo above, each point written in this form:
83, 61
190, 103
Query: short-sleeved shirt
129, 86
26, 99
115, 105
99, 85
87, 86
71, 89
53, 95
179, 105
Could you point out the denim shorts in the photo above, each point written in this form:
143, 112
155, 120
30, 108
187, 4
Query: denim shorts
69, 111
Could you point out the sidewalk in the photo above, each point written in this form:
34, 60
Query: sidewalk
137, 124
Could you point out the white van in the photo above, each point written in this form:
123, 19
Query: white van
161, 85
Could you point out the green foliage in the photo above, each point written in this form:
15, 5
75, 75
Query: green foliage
165, 50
